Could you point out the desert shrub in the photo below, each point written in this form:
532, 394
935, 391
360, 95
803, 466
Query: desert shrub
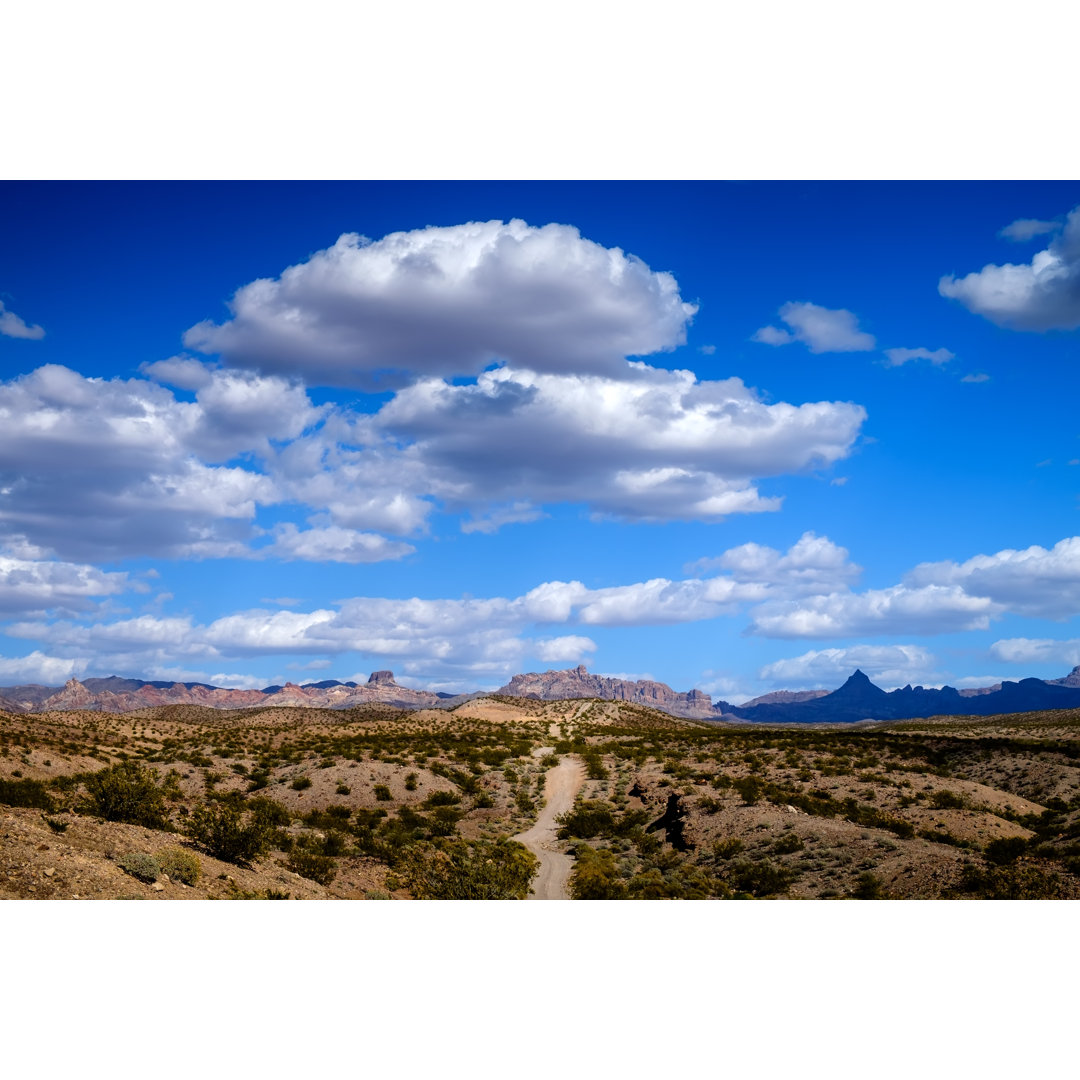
524, 801
594, 766
1006, 849
1016, 881
727, 848
343, 789
868, 887
749, 788
382, 793
128, 793
588, 818
595, 876
787, 844
317, 868
25, 793
141, 866
55, 824
236, 831
180, 865
760, 878
301, 783
468, 870
411, 781
441, 798
947, 800
444, 820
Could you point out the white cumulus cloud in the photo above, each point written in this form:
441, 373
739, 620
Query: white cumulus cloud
897, 357
1028, 228
1043, 294
887, 665
14, 327
820, 329
450, 301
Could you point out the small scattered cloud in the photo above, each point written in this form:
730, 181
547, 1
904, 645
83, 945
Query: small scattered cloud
1022, 650
707, 350
314, 665
281, 601
820, 329
979, 377
1027, 228
897, 357
516, 514
1041, 295
332, 543
838, 481
772, 335
180, 371
13, 327
561, 649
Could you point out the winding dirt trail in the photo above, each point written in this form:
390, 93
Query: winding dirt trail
561, 786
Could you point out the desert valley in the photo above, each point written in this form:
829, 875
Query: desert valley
578, 791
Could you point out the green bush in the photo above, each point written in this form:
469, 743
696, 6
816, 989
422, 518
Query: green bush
138, 865
301, 783
441, 798
128, 793
411, 782
948, 800
761, 878
728, 847
318, 868
235, 831
595, 876
868, 887
1007, 849
343, 789
382, 793
468, 870
787, 844
25, 793
180, 864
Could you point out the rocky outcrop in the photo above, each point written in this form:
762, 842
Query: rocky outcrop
579, 683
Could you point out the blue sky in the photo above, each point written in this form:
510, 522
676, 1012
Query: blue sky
738, 436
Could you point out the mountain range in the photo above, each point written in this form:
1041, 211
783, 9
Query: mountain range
858, 699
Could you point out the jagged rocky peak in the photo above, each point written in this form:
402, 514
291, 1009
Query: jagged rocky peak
381, 678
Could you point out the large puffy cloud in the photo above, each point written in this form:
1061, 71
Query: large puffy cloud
887, 665
653, 444
450, 301
1036, 581
1043, 294
30, 585
139, 470
14, 327
820, 329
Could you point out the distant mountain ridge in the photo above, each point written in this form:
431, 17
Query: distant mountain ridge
858, 698
115, 694
578, 683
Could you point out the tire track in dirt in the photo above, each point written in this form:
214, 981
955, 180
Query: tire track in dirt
561, 785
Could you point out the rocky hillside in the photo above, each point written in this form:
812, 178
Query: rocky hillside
578, 683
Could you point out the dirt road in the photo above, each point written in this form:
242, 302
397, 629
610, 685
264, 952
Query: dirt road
561, 786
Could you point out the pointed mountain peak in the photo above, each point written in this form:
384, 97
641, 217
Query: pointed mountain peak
858, 686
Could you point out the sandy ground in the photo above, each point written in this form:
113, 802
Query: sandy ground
561, 786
